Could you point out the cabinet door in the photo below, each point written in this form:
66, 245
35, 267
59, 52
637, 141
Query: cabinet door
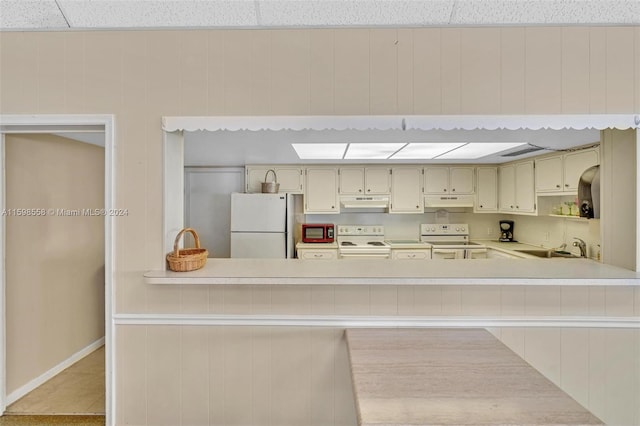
317, 254
436, 180
487, 192
575, 164
377, 180
461, 180
351, 180
411, 254
507, 188
406, 191
525, 194
289, 178
321, 190
549, 174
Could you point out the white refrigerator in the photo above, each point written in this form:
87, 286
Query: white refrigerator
262, 225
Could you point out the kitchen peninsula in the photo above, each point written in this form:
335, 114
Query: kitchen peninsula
578, 272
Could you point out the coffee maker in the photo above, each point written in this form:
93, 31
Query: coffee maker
506, 231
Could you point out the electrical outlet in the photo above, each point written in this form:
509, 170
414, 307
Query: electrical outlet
489, 231
546, 236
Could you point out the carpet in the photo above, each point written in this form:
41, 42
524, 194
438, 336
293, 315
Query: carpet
9, 420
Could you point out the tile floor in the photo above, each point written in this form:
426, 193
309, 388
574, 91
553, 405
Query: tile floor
77, 390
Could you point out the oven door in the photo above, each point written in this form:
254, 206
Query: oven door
364, 253
447, 253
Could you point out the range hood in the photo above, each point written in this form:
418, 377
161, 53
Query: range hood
448, 200
365, 202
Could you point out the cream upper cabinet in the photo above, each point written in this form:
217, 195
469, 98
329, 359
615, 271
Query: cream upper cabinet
406, 190
525, 187
436, 180
561, 173
487, 190
448, 180
289, 178
321, 190
364, 180
517, 188
507, 188
575, 163
549, 174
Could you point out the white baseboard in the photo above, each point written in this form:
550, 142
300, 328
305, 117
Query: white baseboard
38, 381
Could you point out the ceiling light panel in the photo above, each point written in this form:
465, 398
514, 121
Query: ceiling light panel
30, 14
371, 151
476, 150
319, 151
424, 151
321, 13
159, 14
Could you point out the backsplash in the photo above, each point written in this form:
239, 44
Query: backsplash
542, 231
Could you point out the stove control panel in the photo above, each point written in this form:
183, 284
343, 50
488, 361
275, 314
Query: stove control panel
444, 229
361, 230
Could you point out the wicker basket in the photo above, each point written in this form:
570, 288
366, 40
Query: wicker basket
188, 259
270, 187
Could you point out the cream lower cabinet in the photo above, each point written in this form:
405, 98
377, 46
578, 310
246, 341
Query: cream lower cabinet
318, 254
516, 183
289, 178
406, 190
486, 190
321, 190
411, 254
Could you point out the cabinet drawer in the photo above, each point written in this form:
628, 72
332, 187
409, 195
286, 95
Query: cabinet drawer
318, 254
411, 255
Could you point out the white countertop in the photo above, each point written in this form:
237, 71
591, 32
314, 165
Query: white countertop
534, 271
451, 377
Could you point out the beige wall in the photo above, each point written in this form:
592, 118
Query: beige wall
141, 76
54, 264
216, 375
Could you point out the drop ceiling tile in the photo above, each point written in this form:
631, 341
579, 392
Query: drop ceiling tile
509, 12
157, 14
25, 14
318, 13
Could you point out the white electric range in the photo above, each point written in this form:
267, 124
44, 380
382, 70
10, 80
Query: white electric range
451, 241
362, 241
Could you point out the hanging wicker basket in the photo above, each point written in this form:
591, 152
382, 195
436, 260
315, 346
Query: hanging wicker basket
187, 259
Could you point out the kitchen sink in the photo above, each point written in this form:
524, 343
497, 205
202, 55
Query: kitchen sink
549, 253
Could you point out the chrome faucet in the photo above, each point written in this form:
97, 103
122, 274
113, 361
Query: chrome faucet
581, 245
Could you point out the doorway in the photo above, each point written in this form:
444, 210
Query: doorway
20, 125
54, 190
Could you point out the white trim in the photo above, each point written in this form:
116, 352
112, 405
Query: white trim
3, 322
173, 188
27, 123
375, 321
41, 379
398, 122
637, 268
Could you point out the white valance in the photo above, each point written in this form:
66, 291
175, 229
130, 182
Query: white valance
402, 122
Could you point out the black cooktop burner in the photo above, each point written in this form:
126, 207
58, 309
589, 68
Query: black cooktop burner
347, 243
376, 243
